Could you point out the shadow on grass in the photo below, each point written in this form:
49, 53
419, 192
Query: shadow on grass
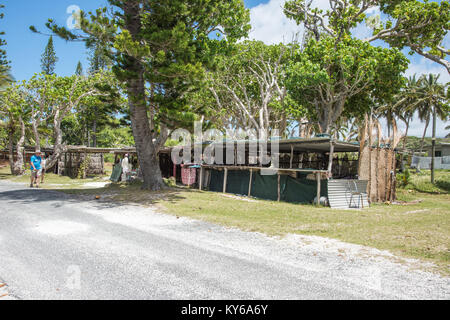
444, 185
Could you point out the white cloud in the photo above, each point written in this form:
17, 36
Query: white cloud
269, 23
422, 65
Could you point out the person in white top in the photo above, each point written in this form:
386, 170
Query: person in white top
125, 168
43, 163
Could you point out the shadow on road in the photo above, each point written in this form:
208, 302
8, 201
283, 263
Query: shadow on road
110, 196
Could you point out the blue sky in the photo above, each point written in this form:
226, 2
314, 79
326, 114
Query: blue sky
24, 48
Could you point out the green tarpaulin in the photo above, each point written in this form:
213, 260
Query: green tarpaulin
117, 171
296, 190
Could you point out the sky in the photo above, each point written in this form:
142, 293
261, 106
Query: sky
269, 24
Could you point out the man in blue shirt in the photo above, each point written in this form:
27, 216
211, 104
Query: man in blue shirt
35, 169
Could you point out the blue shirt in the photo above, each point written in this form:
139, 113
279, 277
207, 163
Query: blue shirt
36, 160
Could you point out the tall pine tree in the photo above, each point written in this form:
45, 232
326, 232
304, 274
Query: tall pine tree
5, 75
49, 58
79, 70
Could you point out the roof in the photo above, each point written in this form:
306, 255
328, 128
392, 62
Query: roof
300, 144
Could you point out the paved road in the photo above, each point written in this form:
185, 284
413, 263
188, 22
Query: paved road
53, 246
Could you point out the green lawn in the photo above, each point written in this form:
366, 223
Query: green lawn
51, 180
417, 228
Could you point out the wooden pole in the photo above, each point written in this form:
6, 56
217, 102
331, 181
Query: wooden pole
200, 185
318, 177
250, 183
225, 177
330, 161
85, 164
279, 187
292, 156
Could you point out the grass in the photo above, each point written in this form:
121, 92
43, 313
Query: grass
421, 182
417, 228
51, 180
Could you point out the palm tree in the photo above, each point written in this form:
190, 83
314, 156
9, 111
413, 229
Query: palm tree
406, 106
433, 102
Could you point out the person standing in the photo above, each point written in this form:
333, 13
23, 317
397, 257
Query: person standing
125, 168
35, 169
43, 163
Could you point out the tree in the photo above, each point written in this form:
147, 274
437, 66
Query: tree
49, 58
54, 98
335, 77
158, 49
248, 88
433, 95
79, 69
5, 69
14, 109
418, 25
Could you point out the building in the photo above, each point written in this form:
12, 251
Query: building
442, 150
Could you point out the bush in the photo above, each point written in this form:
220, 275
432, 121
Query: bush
171, 182
404, 179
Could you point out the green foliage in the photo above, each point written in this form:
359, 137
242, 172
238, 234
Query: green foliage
404, 178
49, 58
420, 182
79, 69
170, 182
111, 137
5, 75
84, 165
333, 79
419, 25
245, 88
174, 45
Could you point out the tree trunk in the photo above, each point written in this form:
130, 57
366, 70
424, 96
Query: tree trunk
37, 137
17, 167
11, 149
433, 146
404, 145
146, 149
424, 133
58, 147
94, 131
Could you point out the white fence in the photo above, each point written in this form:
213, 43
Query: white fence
425, 162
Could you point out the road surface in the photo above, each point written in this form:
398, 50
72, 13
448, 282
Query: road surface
55, 246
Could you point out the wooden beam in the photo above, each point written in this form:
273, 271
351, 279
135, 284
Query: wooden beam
330, 161
225, 178
292, 156
85, 164
279, 187
200, 185
318, 177
250, 183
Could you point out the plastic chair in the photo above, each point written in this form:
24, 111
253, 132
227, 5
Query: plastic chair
353, 192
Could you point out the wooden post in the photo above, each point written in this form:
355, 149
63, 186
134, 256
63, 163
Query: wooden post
330, 161
225, 177
250, 183
85, 164
318, 177
292, 156
279, 187
102, 159
200, 185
